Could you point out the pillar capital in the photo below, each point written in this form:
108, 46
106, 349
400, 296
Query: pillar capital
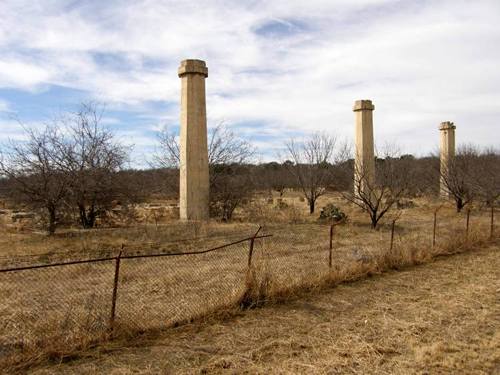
363, 105
447, 125
192, 66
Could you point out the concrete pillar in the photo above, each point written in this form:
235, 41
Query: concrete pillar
364, 167
194, 179
446, 155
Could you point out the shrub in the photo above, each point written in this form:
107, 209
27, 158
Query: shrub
332, 212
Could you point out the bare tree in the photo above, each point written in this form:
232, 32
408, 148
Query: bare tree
91, 157
224, 148
34, 176
231, 187
343, 168
378, 197
458, 176
227, 155
311, 160
169, 155
73, 162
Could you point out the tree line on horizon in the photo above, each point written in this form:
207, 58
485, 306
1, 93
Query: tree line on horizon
75, 170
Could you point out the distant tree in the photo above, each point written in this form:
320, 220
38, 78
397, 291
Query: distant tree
227, 154
228, 191
34, 176
486, 174
458, 178
310, 162
224, 148
378, 197
424, 176
4, 186
169, 154
147, 183
273, 176
423, 179
342, 170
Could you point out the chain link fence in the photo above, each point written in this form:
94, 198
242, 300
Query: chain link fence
54, 304
160, 291
69, 303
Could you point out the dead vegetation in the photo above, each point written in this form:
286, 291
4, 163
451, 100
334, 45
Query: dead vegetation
430, 319
55, 313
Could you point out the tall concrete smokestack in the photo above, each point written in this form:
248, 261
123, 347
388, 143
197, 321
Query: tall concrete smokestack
364, 158
194, 178
447, 153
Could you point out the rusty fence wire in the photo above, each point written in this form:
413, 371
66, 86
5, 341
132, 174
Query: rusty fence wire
69, 302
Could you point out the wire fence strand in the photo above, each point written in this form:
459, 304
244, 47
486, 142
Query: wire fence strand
63, 303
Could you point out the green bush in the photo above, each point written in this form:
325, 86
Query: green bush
333, 213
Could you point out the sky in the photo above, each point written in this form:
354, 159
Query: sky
278, 69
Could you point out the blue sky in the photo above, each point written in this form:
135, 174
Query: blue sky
277, 69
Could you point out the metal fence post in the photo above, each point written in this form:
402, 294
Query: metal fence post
467, 225
250, 251
434, 230
330, 247
492, 221
115, 290
392, 234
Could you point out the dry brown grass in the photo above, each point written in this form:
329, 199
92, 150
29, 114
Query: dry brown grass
280, 273
35, 248
57, 312
169, 235
423, 320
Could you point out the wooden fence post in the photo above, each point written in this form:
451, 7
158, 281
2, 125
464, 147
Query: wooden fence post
392, 233
434, 230
250, 251
330, 247
115, 291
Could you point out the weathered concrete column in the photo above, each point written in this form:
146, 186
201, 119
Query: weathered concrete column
447, 153
194, 179
364, 162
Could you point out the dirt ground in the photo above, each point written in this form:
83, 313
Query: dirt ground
438, 318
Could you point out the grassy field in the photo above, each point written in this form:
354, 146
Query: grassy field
18, 246
53, 312
438, 318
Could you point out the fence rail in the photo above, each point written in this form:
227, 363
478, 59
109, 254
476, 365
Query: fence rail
64, 303
96, 260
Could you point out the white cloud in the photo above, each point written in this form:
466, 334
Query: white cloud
12, 131
14, 73
420, 62
4, 106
